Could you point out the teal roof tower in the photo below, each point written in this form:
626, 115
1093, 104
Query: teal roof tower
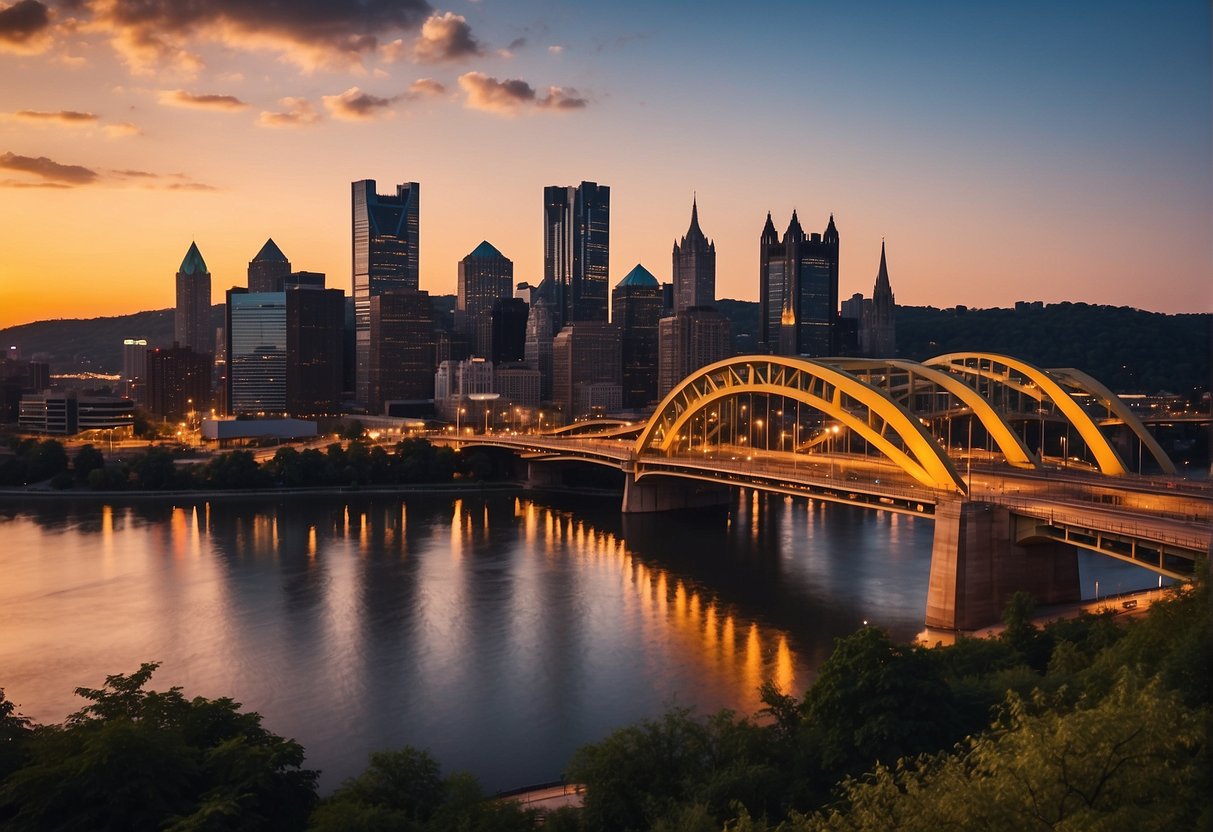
193, 262
486, 251
639, 276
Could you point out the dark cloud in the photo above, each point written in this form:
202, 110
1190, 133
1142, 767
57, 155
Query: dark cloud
71, 117
49, 170
296, 112
202, 101
23, 26
356, 105
512, 95
309, 32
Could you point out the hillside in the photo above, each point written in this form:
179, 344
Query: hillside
1128, 349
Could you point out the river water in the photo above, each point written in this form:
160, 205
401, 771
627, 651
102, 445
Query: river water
498, 631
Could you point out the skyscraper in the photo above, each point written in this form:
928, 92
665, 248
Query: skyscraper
314, 335
256, 352
268, 271
636, 303
385, 258
485, 276
798, 290
694, 267
587, 369
576, 250
134, 368
401, 348
541, 328
192, 322
509, 317
178, 381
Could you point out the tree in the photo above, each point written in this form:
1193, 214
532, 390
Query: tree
14, 734
136, 759
45, 460
87, 459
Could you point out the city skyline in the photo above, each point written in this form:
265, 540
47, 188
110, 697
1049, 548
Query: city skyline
1026, 153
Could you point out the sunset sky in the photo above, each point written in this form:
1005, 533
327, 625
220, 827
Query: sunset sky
1005, 151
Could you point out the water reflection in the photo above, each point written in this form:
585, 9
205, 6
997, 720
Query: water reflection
498, 631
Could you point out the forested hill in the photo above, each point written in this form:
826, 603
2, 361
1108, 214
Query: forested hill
1127, 349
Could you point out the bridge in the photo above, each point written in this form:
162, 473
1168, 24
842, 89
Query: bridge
1016, 465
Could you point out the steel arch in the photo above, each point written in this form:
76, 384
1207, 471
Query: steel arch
1009, 442
1038, 384
820, 386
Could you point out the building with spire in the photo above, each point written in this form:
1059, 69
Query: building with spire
696, 334
694, 267
798, 290
636, 303
576, 250
877, 327
386, 246
269, 270
485, 276
192, 322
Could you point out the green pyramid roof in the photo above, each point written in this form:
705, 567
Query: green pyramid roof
486, 251
193, 262
639, 276
270, 253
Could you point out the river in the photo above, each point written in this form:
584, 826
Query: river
498, 631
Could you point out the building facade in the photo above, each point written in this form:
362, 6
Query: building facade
485, 277
134, 368
693, 338
576, 250
256, 353
694, 267
386, 247
192, 325
178, 382
401, 349
798, 290
314, 346
587, 369
878, 327
636, 304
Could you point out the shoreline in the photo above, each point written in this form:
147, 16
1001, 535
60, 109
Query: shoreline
13, 494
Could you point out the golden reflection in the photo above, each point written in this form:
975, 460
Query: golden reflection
178, 529
457, 530
346, 530
311, 542
107, 531
785, 671
195, 533
727, 649
363, 533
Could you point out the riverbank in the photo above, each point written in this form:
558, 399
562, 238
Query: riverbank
457, 489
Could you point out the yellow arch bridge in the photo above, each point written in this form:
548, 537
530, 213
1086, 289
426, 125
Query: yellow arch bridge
1014, 462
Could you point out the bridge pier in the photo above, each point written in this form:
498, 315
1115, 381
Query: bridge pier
654, 494
976, 566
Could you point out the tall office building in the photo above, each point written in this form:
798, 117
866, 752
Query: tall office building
385, 257
178, 382
694, 267
509, 316
693, 338
587, 369
401, 349
268, 271
636, 303
134, 368
314, 336
576, 250
798, 290
485, 276
192, 322
256, 352
541, 328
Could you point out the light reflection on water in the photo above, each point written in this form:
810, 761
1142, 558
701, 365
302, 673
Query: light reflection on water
499, 632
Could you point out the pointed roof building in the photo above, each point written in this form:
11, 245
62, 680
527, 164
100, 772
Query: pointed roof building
694, 267
268, 271
639, 276
270, 253
486, 251
193, 262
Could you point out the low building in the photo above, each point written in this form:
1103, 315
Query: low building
66, 414
233, 431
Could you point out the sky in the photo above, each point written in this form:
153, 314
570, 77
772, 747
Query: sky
1003, 151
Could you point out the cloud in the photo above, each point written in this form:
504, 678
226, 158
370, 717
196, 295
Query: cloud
512, 95
47, 170
310, 33
71, 118
202, 101
356, 105
425, 86
25, 27
297, 112
556, 49
121, 130
446, 37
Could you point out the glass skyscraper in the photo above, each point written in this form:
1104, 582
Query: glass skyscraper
256, 352
576, 250
798, 290
386, 245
